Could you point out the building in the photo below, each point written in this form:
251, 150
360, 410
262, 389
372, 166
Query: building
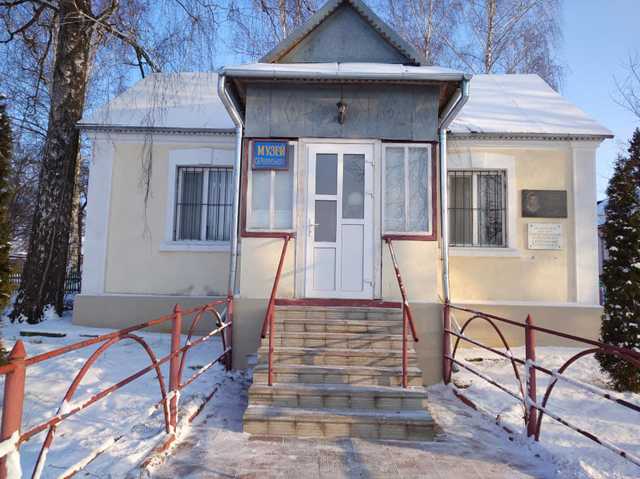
341, 138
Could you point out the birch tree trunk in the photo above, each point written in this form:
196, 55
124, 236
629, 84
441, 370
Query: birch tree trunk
489, 45
44, 273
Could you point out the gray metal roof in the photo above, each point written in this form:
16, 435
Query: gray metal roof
388, 33
343, 71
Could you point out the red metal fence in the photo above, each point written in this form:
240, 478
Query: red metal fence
534, 411
13, 437
407, 317
268, 325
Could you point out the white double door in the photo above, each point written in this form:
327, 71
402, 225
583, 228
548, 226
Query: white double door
339, 221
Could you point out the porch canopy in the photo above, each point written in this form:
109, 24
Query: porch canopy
416, 95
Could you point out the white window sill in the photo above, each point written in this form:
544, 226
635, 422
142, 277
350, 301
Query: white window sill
196, 246
488, 252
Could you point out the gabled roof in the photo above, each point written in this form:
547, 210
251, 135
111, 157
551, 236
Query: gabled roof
388, 33
183, 101
521, 105
343, 71
499, 105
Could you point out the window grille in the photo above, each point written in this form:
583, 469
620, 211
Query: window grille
204, 202
477, 208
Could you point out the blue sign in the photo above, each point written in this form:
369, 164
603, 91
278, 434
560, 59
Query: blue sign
270, 155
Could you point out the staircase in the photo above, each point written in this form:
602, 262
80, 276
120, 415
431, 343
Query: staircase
337, 373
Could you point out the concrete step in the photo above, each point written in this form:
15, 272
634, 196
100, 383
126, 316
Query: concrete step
353, 375
336, 357
337, 340
335, 423
332, 312
337, 396
301, 325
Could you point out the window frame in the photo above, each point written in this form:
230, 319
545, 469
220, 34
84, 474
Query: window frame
430, 233
218, 156
475, 173
247, 230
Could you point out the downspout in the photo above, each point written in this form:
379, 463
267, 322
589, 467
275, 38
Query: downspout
233, 111
451, 110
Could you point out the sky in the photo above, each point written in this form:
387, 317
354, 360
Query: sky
599, 36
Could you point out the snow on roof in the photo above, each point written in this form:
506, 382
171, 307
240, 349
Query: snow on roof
351, 71
166, 100
521, 104
498, 104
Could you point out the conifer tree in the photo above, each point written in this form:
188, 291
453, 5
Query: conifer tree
621, 276
5, 197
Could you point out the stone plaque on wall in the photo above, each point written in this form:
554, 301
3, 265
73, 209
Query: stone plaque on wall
544, 204
544, 236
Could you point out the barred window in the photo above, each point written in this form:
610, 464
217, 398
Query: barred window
204, 201
477, 208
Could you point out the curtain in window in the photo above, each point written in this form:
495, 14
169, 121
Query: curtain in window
271, 205
219, 204
394, 208
490, 209
189, 208
460, 209
417, 214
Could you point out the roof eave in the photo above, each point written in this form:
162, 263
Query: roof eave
530, 136
166, 130
337, 75
317, 18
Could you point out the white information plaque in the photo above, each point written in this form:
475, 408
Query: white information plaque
544, 236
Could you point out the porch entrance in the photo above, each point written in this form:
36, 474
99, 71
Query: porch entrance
339, 221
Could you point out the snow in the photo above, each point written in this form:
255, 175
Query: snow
521, 104
568, 450
508, 104
471, 447
166, 100
363, 70
113, 436
116, 433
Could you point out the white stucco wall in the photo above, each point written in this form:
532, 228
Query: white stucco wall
129, 249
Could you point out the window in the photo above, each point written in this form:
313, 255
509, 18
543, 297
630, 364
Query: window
204, 204
271, 197
407, 189
477, 208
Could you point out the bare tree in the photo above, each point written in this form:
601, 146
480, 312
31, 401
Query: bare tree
628, 89
426, 24
509, 36
68, 39
260, 24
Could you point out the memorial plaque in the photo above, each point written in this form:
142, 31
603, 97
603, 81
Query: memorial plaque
544, 236
544, 204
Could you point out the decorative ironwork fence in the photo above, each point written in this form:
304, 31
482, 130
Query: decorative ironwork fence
534, 410
72, 283
11, 435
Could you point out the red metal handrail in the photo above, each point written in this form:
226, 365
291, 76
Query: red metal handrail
268, 322
534, 411
15, 373
407, 317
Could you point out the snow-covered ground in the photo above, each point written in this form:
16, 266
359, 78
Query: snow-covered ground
126, 421
567, 449
129, 426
